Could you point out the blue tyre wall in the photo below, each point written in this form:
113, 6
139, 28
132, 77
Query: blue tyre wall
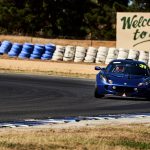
50, 47
46, 57
5, 47
48, 53
26, 50
33, 56
37, 51
49, 50
12, 54
15, 50
24, 55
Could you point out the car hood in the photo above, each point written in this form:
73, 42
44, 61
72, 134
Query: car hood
125, 79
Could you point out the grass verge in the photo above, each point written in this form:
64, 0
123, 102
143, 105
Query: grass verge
115, 137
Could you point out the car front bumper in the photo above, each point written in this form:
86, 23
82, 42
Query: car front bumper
123, 90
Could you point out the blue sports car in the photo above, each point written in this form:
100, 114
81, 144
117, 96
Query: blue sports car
127, 78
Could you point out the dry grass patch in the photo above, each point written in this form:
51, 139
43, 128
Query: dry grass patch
85, 43
49, 73
80, 70
98, 138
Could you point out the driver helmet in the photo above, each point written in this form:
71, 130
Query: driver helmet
119, 69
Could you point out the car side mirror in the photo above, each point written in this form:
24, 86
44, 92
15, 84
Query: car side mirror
97, 68
103, 69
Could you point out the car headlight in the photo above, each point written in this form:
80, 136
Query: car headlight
140, 84
103, 78
106, 80
143, 83
110, 81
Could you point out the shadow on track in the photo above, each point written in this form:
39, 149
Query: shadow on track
127, 98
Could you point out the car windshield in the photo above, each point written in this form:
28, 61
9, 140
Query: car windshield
128, 68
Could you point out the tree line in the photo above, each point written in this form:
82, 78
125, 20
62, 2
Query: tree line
80, 19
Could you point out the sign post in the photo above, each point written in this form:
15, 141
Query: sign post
133, 31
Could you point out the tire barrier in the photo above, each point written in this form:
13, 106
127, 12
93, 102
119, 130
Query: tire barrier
112, 54
26, 50
133, 54
15, 50
69, 53
149, 63
37, 51
123, 53
59, 53
49, 50
144, 56
80, 54
101, 54
149, 60
5, 47
90, 55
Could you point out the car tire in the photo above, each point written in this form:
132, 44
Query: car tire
147, 98
96, 94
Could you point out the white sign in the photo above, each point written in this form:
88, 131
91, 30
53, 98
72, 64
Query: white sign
133, 31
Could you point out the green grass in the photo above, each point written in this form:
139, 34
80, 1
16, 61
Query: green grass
132, 144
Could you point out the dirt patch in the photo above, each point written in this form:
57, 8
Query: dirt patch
84, 43
81, 70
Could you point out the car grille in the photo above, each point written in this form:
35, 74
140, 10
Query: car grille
121, 89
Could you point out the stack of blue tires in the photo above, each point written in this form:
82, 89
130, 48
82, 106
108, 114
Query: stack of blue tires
15, 50
5, 47
26, 51
38, 50
49, 50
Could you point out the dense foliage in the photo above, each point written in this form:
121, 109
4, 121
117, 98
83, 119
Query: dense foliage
80, 19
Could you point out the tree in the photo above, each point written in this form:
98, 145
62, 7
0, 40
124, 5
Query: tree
140, 6
94, 19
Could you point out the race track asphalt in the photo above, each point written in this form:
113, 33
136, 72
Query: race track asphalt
30, 96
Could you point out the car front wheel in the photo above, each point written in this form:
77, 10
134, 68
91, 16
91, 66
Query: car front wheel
97, 95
